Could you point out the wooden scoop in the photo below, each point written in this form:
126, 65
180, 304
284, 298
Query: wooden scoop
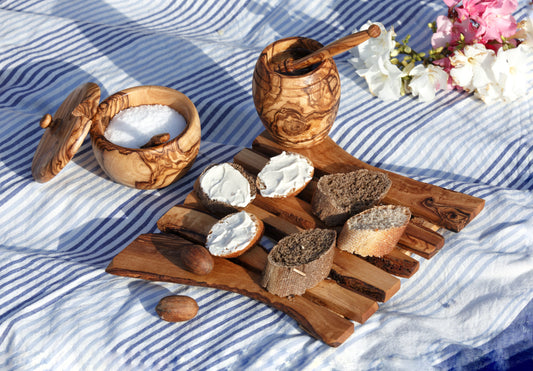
330, 50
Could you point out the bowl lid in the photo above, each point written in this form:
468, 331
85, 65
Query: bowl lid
65, 131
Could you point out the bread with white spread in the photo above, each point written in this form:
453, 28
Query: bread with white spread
234, 234
285, 175
225, 188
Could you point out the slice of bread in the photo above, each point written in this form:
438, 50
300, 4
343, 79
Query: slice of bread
232, 235
374, 232
225, 188
285, 175
339, 196
299, 261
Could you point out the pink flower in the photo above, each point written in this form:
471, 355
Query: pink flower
482, 21
449, 32
495, 23
492, 27
444, 32
471, 9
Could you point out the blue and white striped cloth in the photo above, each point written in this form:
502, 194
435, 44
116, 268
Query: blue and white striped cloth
469, 306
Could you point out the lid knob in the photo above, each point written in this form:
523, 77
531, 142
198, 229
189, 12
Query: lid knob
46, 121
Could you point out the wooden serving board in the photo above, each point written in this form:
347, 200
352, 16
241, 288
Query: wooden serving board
355, 284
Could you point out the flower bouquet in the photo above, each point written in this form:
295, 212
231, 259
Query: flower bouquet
478, 47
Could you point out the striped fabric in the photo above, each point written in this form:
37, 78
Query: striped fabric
469, 306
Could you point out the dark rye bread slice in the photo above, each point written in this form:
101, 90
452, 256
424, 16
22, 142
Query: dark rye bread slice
299, 262
374, 232
339, 196
219, 207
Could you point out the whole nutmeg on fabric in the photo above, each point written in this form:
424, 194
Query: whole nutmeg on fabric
177, 308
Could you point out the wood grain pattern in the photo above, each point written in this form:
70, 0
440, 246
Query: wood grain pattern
443, 207
146, 168
143, 259
298, 110
369, 280
64, 132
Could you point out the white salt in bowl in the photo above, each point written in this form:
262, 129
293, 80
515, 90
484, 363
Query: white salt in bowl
152, 167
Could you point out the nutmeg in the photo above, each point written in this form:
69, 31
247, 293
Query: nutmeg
195, 259
177, 308
185, 254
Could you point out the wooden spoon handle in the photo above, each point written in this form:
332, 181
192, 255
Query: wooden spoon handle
331, 50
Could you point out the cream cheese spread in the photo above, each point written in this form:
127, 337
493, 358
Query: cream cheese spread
230, 234
226, 184
284, 174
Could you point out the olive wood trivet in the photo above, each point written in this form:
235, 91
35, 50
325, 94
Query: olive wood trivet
324, 311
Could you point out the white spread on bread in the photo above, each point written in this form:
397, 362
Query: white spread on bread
230, 234
284, 174
226, 184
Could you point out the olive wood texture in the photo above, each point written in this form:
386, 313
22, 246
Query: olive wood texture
157, 140
443, 207
143, 259
153, 167
194, 225
362, 277
64, 132
298, 210
298, 109
329, 51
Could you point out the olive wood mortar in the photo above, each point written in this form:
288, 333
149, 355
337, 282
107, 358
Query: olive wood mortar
152, 167
296, 87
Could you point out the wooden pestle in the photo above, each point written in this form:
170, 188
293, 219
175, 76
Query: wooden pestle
330, 50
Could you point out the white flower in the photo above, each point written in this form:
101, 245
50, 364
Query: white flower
472, 67
511, 72
426, 81
527, 27
489, 93
366, 54
383, 78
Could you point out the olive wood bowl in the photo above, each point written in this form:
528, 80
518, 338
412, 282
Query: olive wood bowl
152, 167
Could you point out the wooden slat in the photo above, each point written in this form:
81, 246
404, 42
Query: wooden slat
443, 207
354, 273
421, 241
396, 263
142, 259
